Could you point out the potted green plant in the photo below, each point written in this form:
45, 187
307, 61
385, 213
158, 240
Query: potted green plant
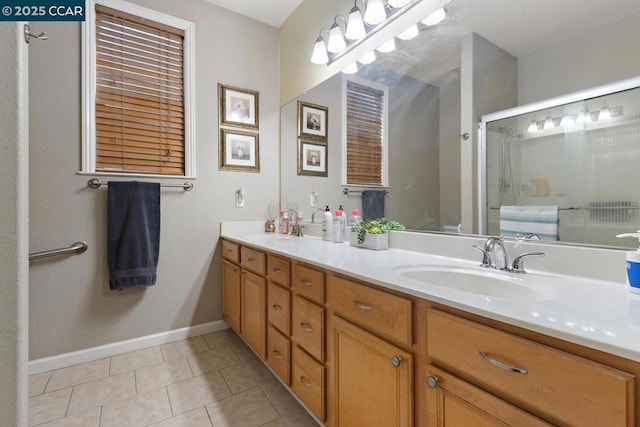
373, 233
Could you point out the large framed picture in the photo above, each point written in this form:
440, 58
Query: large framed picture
312, 121
239, 151
312, 158
238, 107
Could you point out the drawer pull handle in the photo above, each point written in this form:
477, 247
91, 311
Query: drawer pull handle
432, 381
306, 283
276, 354
230, 250
501, 365
277, 307
306, 327
251, 259
362, 306
235, 270
305, 382
395, 361
277, 270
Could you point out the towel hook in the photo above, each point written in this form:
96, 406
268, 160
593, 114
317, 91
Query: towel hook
28, 35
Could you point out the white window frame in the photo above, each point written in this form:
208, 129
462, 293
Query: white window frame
89, 84
385, 129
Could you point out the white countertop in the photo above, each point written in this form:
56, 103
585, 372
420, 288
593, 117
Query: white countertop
594, 313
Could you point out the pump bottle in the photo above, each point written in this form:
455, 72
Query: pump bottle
633, 264
327, 223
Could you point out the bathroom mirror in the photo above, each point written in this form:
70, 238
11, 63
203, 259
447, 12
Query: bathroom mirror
484, 57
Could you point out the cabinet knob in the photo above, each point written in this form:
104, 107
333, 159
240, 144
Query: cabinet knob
395, 361
432, 381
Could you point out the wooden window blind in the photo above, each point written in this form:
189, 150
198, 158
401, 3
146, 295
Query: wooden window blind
365, 136
139, 109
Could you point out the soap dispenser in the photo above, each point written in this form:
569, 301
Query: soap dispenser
633, 264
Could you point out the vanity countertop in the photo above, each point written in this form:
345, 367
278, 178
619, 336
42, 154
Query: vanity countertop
597, 314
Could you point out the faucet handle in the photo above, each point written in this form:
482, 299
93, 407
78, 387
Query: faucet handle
486, 259
518, 263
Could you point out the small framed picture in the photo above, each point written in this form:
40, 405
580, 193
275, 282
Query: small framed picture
238, 107
312, 158
239, 151
312, 121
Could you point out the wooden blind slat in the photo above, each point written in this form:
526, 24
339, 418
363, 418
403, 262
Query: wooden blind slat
139, 95
364, 134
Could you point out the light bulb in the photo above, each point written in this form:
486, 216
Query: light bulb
319, 55
355, 25
368, 58
375, 13
398, 3
533, 126
351, 68
435, 17
605, 114
568, 121
336, 40
387, 46
409, 33
548, 123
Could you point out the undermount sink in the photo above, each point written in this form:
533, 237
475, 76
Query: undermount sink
491, 283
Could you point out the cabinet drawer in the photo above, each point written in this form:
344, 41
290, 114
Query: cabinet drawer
231, 251
308, 381
279, 354
379, 312
561, 387
307, 326
253, 260
279, 308
278, 270
308, 282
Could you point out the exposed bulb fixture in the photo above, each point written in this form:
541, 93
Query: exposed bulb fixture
568, 121
605, 113
435, 17
375, 13
409, 33
368, 58
398, 3
320, 55
387, 46
336, 38
355, 24
351, 68
533, 126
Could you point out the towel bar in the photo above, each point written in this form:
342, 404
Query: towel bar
96, 183
346, 191
75, 248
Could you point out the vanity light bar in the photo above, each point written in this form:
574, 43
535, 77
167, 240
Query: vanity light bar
570, 120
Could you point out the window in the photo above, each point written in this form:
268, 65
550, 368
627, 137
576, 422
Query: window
366, 147
138, 94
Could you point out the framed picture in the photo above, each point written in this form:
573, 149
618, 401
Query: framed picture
238, 107
312, 121
312, 158
239, 151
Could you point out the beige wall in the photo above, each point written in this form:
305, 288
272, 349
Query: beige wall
72, 307
14, 227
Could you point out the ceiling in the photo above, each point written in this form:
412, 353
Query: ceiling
272, 12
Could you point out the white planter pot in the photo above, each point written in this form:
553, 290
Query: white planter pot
371, 241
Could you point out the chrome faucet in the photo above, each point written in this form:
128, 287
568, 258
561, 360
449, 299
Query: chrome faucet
296, 230
313, 214
497, 254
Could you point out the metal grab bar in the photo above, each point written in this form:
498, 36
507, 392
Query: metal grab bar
96, 183
75, 248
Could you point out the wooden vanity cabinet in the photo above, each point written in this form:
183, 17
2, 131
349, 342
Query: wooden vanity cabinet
231, 299
278, 355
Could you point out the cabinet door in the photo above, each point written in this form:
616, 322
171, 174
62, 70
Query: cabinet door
254, 311
452, 402
231, 294
372, 380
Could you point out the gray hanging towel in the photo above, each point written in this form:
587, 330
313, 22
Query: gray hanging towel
133, 234
373, 204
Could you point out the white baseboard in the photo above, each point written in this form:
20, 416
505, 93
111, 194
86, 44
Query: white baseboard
94, 353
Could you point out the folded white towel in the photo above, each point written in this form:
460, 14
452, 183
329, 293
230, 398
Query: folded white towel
518, 220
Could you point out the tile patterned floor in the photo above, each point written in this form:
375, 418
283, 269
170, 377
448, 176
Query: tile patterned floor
213, 380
